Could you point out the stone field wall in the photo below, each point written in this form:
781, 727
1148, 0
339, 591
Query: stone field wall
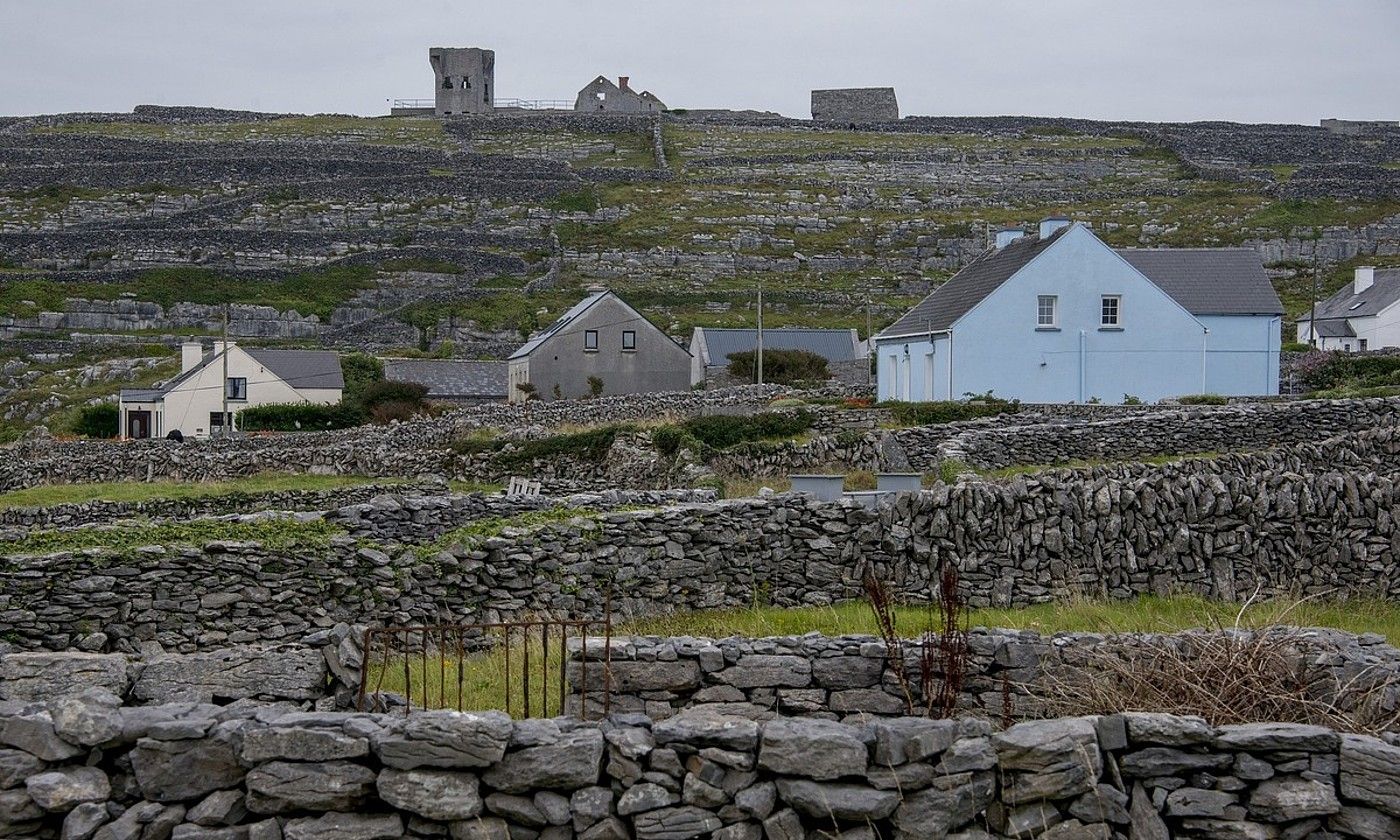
1314, 518
85, 766
1008, 674
1253, 426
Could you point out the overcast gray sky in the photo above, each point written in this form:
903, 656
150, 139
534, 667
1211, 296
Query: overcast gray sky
1246, 60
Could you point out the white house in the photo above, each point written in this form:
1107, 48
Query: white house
1059, 316
1363, 315
192, 403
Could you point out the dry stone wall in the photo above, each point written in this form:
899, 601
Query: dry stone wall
1279, 523
86, 767
1008, 673
1253, 426
100, 511
413, 448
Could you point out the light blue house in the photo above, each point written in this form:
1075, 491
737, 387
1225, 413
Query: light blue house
1058, 316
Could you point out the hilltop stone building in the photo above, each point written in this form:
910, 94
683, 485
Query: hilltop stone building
602, 95
855, 105
465, 78
600, 336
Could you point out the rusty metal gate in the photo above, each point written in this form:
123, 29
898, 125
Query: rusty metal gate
515, 666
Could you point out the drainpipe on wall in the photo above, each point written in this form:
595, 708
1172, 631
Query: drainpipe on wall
1205, 334
1082, 340
950, 364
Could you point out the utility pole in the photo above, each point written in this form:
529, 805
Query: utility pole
759, 354
869, 335
226, 420
1317, 272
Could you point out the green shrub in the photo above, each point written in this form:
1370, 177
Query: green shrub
97, 421
595, 386
291, 417
590, 445
1295, 347
780, 367
668, 439
948, 411
1202, 399
1129, 399
384, 392
721, 431
360, 371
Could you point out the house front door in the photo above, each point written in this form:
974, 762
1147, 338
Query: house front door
138, 424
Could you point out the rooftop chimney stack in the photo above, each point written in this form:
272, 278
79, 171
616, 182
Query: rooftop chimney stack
1365, 278
1006, 236
622, 82
1050, 224
191, 354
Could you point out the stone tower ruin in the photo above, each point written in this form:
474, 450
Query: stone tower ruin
465, 80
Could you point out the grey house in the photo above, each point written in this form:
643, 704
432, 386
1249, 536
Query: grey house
452, 380
600, 336
602, 95
847, 357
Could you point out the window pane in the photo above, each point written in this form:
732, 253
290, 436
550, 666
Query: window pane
629, 340
237, 388
1110, 310
590, 340
1045, 310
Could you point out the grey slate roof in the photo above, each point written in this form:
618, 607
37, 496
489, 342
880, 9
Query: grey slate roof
1205, 281
574, 311
451, 378
1382, 293
301, 368
833, 345
318, 369
1335, 328
968, 287
1209, 281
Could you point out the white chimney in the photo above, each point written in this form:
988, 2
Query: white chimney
219, 346
1050, 224
191, 354
1365, 278
1006, 236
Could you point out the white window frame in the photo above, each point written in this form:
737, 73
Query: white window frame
1117, 311
590, 341
1040, 320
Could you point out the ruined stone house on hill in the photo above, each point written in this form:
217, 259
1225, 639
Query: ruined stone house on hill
602, 95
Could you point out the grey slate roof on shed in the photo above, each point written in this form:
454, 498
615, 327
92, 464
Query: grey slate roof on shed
1209, 281
1335, 328
301, 368
833, 345
1382, 293
964, 290
451, 378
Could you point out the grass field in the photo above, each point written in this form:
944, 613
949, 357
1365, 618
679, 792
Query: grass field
483, 679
